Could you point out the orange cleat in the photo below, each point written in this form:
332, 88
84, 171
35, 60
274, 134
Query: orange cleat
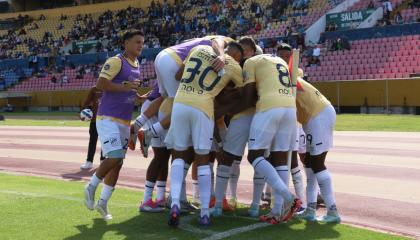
212, 202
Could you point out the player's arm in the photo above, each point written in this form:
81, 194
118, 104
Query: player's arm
178, 75
218, 45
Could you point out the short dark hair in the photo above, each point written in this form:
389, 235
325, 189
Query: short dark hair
131, 33
284, 46
248, 41
236, 45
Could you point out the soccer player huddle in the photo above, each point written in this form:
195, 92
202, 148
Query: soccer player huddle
213, 97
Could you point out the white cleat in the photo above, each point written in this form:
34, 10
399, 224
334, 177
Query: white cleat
89, 197
86, 165
102, 208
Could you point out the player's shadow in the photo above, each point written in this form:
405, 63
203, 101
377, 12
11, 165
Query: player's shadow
78, 175
314, 230
142, 226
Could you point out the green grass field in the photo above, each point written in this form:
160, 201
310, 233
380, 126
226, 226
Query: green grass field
345, 122
38, 208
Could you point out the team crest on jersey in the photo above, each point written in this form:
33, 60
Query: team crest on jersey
107, 67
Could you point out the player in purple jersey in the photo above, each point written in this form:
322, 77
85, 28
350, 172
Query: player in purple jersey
119, 81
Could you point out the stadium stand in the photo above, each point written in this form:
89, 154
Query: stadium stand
269, 21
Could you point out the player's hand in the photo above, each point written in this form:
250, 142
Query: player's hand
141, 98
218, 63
132, 86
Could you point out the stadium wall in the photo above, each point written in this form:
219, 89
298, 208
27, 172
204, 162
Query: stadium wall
373, 93
52, 100
83, 9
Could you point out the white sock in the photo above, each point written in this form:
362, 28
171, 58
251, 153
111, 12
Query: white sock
258, 185
177, 173
204, 182
140, 121
184, 190
311, 187
211, 164
298, 184
267, 190
278, 204
160, 190
234, 178
283, 171
325, 185
222, 178
94, 181
106, 193
196, 190
157, 129
264, 168
148, 191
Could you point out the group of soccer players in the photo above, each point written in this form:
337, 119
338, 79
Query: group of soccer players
203, 84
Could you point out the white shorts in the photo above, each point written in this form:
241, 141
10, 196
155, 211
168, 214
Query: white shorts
237, 135
159, 142
190, 127
166, 69
319, 131
274, 129
151, 120
300, 145
112, 135
222, 132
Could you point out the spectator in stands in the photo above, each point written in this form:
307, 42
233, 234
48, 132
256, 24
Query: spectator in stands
371, 5
415, 4
60, 26
399, 18
64, 78
42, 17
387, 6
54, 79
316, 53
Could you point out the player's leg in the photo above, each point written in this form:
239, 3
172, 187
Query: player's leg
108, 132
196, 191
114, 139
179, 138
233, 148
212, 159
202, 138
320, 128
153, 171
274, 128
297, 179
162, 177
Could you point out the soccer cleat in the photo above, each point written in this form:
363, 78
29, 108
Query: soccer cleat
89, 197
300, 210
133, 139
187, 207
227, 207
330, 217
254, 212
290, 208
275, 219
161, 203
150, 206
102, 208
266, 217
217, 211
86, 165
204, 221
309, 215
174, 216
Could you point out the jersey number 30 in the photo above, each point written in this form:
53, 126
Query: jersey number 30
201, 74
